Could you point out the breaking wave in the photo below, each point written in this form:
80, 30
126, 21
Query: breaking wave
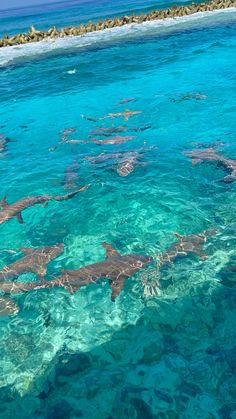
16, 54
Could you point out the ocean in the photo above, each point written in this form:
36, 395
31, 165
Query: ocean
165, 348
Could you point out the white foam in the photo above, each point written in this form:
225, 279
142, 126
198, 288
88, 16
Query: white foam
12, 54
74, 71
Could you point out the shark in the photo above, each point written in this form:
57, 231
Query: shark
127, 163
185, 245
117, 139
189, 96
116, 269
210, 155
14, 210
124, 162
126, 115
68, 131
35, 260
121, 128
126, 100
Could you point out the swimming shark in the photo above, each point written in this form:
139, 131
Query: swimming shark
126, 114
127, 163
190, 244
34, 260
116, 268
121, 128
124, 162
117, 139
213, 145
126, 100
68, 131
65, 134
210, 155
14, 210
189, 96
89, 118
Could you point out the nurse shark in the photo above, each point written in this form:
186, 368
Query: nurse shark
34, 260
116, 267
14, 210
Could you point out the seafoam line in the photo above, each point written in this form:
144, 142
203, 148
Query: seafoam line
9, 55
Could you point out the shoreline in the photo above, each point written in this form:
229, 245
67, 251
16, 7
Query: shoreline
11, 54
35, 35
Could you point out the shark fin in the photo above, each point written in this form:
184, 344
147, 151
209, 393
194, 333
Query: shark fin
19, 218
110, 251
117, 286
196, 161
178, 236
4, 203
27, 250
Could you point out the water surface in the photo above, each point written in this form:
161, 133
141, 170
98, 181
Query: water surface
82, 355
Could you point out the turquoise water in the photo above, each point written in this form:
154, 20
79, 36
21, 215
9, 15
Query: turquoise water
171, 355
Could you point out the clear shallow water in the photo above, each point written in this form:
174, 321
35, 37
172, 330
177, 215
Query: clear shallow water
82, 355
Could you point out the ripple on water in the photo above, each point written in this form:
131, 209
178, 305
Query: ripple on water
166, 346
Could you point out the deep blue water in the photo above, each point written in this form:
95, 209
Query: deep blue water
171, 355
73, 12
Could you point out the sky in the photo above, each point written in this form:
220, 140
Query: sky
10, 4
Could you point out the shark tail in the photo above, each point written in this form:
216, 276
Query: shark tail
71, 194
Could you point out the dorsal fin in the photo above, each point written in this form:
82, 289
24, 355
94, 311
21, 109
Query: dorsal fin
27, 250
178, 236
196, 161
110, 251
4, 203
117, 286
19, 218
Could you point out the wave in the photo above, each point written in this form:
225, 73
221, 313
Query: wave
19, 53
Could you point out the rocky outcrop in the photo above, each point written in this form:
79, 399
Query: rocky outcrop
35, 35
